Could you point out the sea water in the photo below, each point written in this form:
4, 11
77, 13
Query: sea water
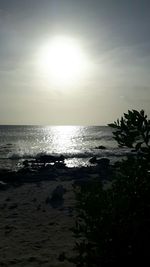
77, 143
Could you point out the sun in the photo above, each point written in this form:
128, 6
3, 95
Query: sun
62, 60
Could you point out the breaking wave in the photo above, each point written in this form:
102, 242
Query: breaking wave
86, 154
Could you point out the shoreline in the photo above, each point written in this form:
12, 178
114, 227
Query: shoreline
34, 230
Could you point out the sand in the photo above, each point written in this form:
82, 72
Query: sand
32, 232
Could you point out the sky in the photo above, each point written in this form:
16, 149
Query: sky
114, 37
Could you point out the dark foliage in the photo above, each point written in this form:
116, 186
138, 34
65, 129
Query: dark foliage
133, 130
113, 223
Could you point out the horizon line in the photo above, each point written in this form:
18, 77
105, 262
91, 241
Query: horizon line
57, 125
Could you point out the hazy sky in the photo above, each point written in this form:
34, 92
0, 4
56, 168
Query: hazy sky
113, 34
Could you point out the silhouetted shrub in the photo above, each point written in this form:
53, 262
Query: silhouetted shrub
113, 223
133, 131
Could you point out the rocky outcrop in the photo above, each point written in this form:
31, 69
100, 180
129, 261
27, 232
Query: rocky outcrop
102, 162
49, 159
100, 147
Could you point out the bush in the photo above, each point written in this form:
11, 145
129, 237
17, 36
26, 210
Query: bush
133, 131
113, 224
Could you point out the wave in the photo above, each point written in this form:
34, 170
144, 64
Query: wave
116, 152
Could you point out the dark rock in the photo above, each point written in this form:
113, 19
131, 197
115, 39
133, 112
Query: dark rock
103, 162
25, 163
24, 171
49, 159
61, 158
93, 160
100, 147
60, 165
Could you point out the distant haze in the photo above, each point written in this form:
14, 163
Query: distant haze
114, 36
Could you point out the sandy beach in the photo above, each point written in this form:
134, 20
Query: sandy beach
33, 233
37, 211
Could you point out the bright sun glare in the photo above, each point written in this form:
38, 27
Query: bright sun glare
62, 60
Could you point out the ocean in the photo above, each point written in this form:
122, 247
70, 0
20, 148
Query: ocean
77, 143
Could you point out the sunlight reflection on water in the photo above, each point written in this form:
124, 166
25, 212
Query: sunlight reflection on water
76, 143
62, 139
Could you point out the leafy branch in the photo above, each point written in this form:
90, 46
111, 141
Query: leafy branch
133, 131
